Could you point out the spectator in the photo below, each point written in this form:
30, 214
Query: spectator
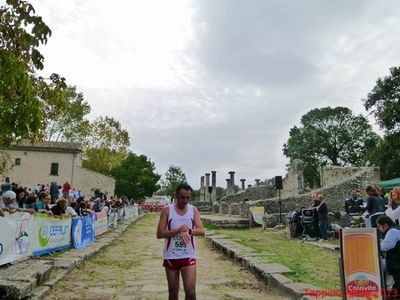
71, 209
97, 205
71, 195
92, 194
375, 206
53, 192
391, 245
354, 204
59, 208
21, 198
42, 204
323, 218
38, 188
30, 201
6, 185
65, 189
82, 209
8, 203
315, 204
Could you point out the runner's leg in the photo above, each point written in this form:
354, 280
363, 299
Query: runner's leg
173, 283
189, 282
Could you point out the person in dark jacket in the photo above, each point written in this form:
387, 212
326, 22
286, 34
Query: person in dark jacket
322, 210
375, 205
391, 245
59, 208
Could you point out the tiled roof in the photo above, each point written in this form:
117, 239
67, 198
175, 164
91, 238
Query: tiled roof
48, 146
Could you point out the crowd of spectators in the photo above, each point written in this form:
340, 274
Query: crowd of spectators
55, 200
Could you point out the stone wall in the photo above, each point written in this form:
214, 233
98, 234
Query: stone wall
331, 175
335, 194
251, 193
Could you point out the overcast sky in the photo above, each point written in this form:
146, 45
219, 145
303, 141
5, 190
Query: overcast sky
217, 84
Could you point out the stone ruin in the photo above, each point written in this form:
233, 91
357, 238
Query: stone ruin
336, 184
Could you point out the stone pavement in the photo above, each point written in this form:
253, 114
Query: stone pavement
130, 268
34, 277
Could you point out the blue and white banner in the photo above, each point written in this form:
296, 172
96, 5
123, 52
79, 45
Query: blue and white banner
83, 233
50, 234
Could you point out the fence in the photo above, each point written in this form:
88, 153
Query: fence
25, 235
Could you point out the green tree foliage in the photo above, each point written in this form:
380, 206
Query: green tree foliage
21, 34
329, 136
135, 177
172, 178
65, 110
106, 146
383, 102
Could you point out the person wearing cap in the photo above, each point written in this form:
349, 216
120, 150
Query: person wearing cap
8, 202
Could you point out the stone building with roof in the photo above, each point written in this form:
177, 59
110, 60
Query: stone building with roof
46, 162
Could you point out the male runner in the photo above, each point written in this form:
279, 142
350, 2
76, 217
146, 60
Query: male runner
178, 224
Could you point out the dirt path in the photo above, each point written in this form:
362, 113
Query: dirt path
130, 268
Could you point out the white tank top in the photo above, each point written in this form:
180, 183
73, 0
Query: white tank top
174, 248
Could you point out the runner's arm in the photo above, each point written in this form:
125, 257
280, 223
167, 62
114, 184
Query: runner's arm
198, 228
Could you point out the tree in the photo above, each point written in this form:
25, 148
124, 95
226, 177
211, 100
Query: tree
330, 136
21, 34
135, 177
106, 146
383, 102
64, 113
172, 178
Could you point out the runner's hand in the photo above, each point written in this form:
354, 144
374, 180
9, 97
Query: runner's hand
183, 228
185, 237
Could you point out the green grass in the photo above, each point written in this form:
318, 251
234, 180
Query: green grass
310, 264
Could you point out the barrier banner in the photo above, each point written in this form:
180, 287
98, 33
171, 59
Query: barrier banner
112, 218
360, 264
257, 212
83, 231
101, 223
135, 210
50, 234
129, 212
15, 236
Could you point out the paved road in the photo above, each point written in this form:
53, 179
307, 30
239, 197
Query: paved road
130, 268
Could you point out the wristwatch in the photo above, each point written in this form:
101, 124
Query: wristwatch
190, 231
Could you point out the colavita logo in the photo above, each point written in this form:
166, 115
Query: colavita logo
362, 287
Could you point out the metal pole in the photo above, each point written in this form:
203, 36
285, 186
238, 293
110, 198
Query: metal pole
280, 207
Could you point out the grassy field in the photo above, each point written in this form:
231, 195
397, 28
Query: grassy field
311, 264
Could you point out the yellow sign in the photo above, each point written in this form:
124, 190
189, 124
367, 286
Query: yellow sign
361, 269
257, 212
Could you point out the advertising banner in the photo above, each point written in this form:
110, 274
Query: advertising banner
50, 234
361, 267
129, 212
83, 231
257, 212
15, 236
101, 223
135, 210
112, 218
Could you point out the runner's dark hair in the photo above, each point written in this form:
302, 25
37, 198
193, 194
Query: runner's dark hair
183, 186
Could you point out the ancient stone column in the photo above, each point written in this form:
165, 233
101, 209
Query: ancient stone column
232, 178
228, 186
202, 195
214, 186
243, 183
257, 182
207, 194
